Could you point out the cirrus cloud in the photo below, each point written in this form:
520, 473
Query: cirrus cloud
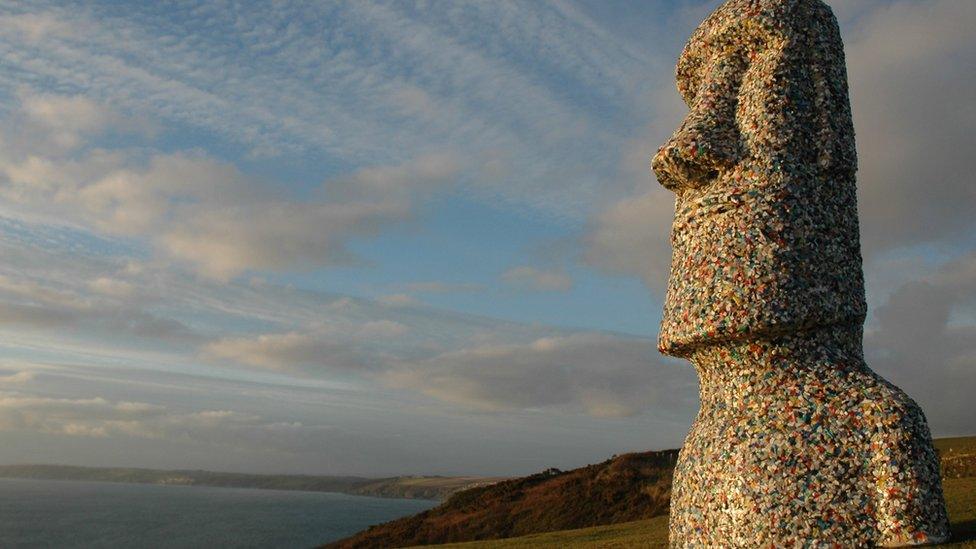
189, 206
532, 278
601, 375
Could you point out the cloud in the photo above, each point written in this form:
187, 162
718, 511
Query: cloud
50, 124
602, 375
381, 328
329, 348
597, 374
67, 118
103, 320
37, 26
426, 172
633, 237
288, 352
196, 209
362, 83
275, 236
911, 68
415, 101
17, 378
100, 418
34, 305
93, 417
72, 414
54, 294
36, 292
224, 240
439, 287
532, 278
112, 287
398, 300
916, 341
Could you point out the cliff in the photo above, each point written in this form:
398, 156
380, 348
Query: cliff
623, 488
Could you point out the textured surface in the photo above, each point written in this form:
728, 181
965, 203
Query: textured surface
797, 441
765, 236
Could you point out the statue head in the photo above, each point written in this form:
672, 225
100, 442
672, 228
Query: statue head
765, 235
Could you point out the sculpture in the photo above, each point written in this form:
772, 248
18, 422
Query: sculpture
797, 440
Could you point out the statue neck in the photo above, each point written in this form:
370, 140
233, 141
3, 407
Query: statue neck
806, 353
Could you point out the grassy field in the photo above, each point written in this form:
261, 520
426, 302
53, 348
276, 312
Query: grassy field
641, 533
957, 445
960, 498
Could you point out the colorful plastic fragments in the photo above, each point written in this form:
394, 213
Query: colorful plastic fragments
798, 442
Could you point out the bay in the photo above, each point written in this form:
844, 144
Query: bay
82, 514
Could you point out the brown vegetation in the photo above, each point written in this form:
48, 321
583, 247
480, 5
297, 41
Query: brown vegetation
624, 488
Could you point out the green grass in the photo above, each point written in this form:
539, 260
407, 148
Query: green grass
642, 533
960, 498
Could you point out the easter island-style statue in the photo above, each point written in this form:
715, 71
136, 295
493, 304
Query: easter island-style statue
797, 441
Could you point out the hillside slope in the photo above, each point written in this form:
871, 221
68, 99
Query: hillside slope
542, 508
624, 488
960, 498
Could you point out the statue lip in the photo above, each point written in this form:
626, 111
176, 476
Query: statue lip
718, 202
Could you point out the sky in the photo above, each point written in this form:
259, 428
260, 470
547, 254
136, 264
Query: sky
384, 238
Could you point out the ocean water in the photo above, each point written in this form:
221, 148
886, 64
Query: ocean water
56, 513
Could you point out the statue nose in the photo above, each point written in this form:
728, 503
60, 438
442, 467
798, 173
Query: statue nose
677, 169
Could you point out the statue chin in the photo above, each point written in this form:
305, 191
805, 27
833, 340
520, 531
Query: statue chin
741, 266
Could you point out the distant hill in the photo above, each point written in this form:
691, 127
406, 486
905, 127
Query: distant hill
420, 487
409, 487
621, 489
622, 502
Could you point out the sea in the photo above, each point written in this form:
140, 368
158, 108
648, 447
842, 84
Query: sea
63, 514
